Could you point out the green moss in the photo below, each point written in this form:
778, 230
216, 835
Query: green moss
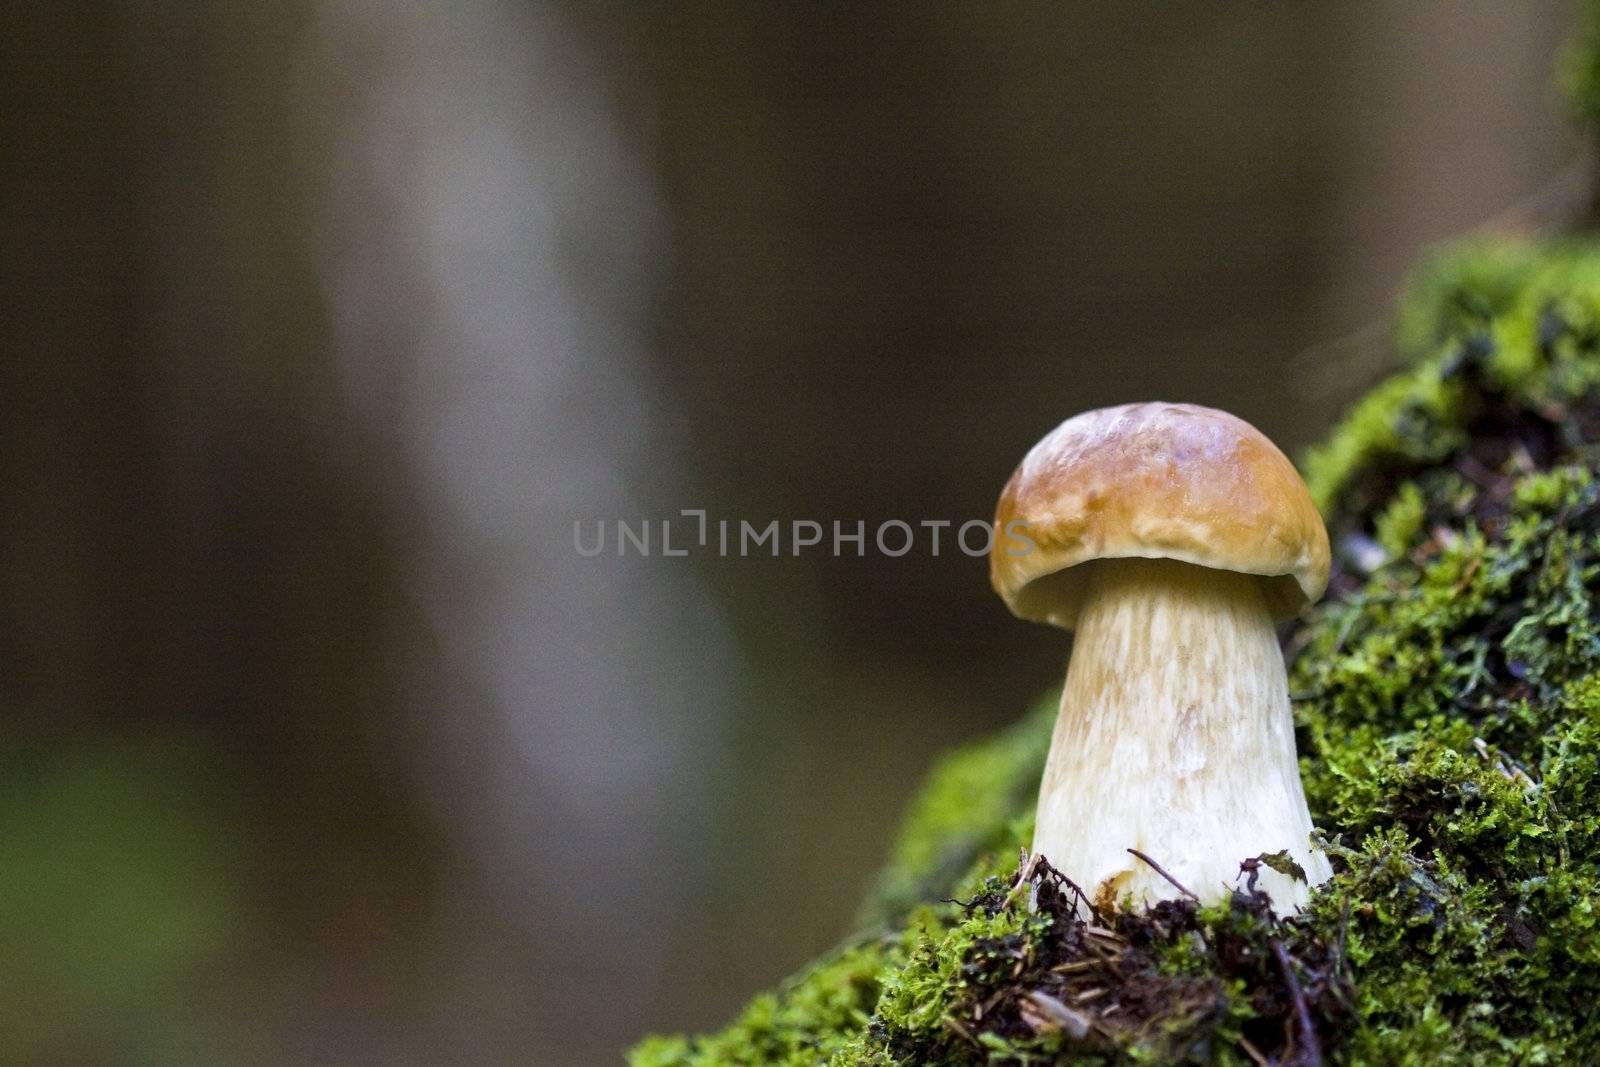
1485, 322
950, 962
1448, 700
1398, 524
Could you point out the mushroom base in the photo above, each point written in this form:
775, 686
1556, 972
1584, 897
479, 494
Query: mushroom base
1174, 738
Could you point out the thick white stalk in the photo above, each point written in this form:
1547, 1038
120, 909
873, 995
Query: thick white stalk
1174, 738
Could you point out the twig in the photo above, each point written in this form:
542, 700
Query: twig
1026, 865
1311, 1054
1041, 867
1179, 886
1056, 1015
955, 1024
1253, 1052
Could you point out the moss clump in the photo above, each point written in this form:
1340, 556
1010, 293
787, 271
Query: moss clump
1502, 333
1448, 701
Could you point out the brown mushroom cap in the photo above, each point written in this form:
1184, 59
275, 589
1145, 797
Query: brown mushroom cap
1159, 481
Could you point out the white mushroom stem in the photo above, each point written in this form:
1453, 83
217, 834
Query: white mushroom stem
1174, 738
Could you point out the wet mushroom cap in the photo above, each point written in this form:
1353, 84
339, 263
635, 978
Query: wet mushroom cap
1154, 481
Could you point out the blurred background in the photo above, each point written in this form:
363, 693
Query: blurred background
325, 320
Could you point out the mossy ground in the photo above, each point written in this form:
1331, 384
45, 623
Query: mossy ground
1447, 695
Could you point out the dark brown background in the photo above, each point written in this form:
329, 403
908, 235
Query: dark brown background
325, 321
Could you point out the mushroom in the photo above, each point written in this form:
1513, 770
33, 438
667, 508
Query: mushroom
1170, 537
